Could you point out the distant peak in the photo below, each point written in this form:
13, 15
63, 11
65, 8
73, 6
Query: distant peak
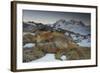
78, 22
31, 22
74, 21
62, 20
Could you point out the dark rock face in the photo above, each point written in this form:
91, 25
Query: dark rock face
27, 27
30, 27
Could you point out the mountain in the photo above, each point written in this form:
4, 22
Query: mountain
73, 26
79, 31
33, 26
28, 27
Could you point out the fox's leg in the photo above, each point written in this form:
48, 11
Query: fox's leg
59, 54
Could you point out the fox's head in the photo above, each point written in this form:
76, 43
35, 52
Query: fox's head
44, 36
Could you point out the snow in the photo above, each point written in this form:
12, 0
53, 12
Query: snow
63, 57
82, 42
31, 23
46, 58
29, 45
85, 43
68, 25
76, 29
25, 33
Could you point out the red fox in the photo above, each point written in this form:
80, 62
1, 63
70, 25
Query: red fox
59, 44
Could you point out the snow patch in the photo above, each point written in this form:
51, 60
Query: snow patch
29, 45
63, 57
46, 58
25, 33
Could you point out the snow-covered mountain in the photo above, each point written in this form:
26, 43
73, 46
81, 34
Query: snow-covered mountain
61, 25
72, 25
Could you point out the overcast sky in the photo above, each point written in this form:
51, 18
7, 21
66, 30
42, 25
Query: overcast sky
50, 17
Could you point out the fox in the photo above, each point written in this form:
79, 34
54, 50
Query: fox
60, 45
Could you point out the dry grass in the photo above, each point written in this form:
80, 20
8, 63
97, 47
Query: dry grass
79, 54
30, 54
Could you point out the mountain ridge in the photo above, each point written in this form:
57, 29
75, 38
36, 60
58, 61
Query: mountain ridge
61, 25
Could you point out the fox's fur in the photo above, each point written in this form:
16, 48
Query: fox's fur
59, 44
57, 39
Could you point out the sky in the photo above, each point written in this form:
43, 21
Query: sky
50, 17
